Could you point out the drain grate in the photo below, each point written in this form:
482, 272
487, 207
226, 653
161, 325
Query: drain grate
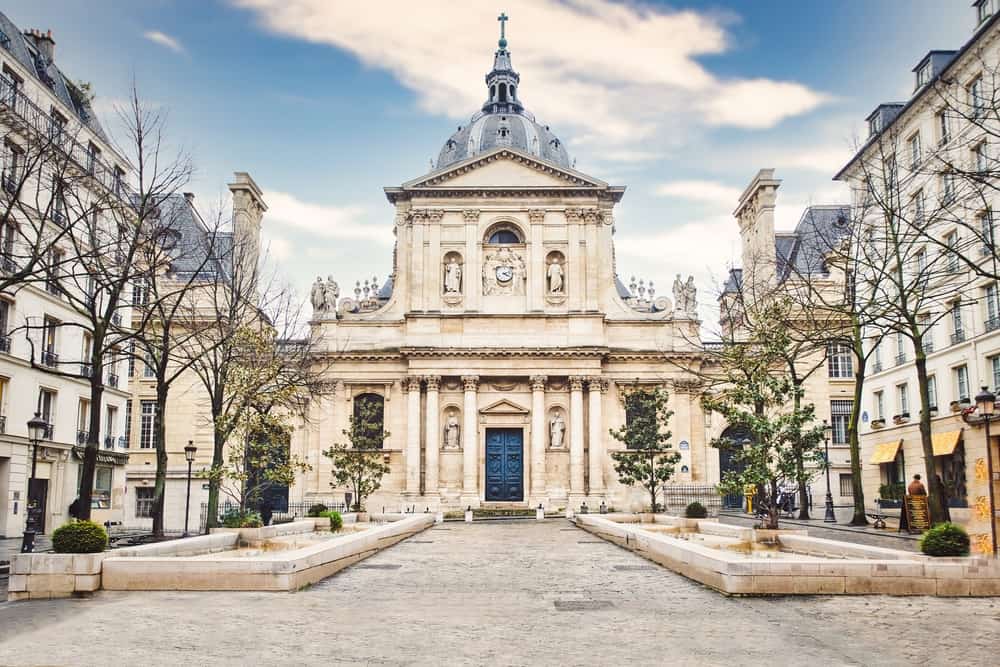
582, 605
419, 542
635, 568
377, 566
590, 541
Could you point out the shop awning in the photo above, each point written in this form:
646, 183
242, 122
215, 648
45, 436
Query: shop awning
886, 452
945, 443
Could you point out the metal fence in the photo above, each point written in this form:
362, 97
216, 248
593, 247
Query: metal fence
292, 511
676, 497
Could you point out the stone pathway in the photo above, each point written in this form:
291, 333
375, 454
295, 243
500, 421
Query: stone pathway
504, 593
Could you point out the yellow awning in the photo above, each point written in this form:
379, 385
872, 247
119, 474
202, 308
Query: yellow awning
886, 452
945, 443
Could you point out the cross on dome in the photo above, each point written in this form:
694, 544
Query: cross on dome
503, 18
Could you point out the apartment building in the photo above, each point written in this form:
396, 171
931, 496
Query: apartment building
917, 156
50, 131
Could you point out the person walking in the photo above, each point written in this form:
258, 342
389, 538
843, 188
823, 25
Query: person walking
916, 487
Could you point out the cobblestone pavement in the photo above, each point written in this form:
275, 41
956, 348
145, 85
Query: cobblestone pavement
503, 593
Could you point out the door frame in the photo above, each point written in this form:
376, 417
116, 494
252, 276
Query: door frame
524, 468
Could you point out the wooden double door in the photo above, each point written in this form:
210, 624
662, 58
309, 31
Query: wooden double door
504, 465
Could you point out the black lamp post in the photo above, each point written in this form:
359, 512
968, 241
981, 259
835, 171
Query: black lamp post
36, 431
189, 452
829, 517
986, 407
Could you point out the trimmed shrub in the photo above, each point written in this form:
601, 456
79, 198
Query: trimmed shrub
237, 519
945, 539
695, 510
336, 521
251, 520
79, 537
317, 510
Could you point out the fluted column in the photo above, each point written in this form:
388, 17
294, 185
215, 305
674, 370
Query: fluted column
538, 428
470, 440
412, 457
432, 437
576, 435
596, 387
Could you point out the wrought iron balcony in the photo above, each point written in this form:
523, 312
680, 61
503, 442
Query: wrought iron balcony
82, 437
47, 432
5, 343
53, 287
993, 323
86, 370
957, 337
7, 264
109, 442
116, 319
112, 380
123, 442
9, 182
32, 118
50, 359
928, 346
901, 359
877, 367
59, 217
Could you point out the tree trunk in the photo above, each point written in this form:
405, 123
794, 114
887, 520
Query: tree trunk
160, 438
218, 443
93, 445
935, 492
800, 468
857, 489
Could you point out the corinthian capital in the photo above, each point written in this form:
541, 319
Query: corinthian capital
470, 382
433, 382
470, 215
576, 383
538, 382
536, 215
412, 383
597, 384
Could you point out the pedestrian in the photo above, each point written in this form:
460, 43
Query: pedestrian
74, 508
916, 487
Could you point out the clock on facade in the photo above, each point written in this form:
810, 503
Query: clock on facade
504, 274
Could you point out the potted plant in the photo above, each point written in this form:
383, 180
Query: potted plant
891, 495
878, 423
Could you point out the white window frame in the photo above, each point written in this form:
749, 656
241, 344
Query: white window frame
915, 154
902, 398
879, 397
962, 382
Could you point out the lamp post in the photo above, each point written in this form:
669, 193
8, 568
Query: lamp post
36, 431
986, 406
829, 517
189, 452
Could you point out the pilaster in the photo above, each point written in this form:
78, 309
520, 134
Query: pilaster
470, 441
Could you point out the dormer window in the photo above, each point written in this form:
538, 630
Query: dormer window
875, 125
983, 10
923, 74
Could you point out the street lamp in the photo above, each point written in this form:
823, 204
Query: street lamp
36, 431
986, 407
189, 452
829, 517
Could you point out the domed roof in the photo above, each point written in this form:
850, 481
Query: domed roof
503, 121
487, 131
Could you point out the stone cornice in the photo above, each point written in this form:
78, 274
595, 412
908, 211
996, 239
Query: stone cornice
552, 352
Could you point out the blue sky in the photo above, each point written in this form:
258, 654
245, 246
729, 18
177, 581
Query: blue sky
324, 103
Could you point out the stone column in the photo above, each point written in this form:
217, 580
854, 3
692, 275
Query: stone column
538, 433
432, 437
412, 456
596, 386
576, 436
470, 442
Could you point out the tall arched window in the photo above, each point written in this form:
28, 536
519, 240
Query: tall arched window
368, 425
503, 92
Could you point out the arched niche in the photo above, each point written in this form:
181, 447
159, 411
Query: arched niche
556, 428
369, 407
555, 274
452, 273
451, 427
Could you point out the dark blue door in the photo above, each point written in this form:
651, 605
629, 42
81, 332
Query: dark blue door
504, 464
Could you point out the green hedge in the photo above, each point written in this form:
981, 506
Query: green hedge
317, 510
945, 539
695, 511
79, 537
336, 521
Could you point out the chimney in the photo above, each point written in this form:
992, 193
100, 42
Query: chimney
189, 196
43, 42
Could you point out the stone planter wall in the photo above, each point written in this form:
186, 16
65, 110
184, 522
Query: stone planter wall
54, 575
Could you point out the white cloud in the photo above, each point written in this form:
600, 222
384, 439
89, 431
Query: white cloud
620, 76
164, 39
336, 222
701, 191
279, 248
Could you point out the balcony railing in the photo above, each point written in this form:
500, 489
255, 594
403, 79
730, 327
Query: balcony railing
82, 437
109, 442
5, 343
900, 359
116, 319
957, 337
7, 264
3, 423
41, 122
50, 359
53, 287
86, 370
47, 432
123, 442
9, 182
993, 323
112, 380
877, 367
928, 346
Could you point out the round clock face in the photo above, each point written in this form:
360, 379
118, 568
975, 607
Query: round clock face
505, 273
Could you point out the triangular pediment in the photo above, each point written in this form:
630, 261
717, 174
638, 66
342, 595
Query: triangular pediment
504, 407
504, 168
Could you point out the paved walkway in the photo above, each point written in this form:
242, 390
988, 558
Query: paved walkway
504, 593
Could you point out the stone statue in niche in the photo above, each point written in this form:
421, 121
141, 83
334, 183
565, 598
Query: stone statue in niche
557, 429
504, 272
555, 277
453, 277
451, 431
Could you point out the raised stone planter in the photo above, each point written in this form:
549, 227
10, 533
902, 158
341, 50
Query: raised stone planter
54, 575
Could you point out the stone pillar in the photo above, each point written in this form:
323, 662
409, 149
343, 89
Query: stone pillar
538, 433
536, 277
596, 386
432, 437
576, 437
470, 442
471, 275
412, 456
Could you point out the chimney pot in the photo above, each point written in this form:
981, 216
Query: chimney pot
189, 196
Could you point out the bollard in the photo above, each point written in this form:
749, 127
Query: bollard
439, 517
539, 513
468, 514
